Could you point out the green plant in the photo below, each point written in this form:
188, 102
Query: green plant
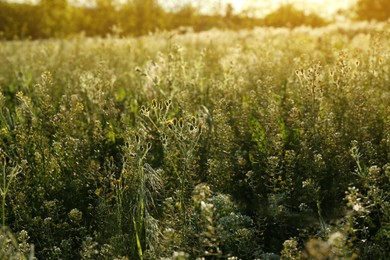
8, 175
226, 142
12, 247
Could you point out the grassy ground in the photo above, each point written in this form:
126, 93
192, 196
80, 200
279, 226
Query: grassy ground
268, 144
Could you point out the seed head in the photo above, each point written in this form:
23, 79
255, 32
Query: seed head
161, 105
181, 122
357, 63
168, 103
145, 111
193, 120
137, 139
154, 103
200, 127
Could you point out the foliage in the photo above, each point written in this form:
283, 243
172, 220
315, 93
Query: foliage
15, 247
373, 10
288, 16
257, 144
61, 19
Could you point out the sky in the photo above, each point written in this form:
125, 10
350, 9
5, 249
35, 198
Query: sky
323, 7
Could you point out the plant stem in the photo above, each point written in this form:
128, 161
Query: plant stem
139, 247
3, 194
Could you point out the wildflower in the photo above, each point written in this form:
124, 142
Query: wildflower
170, 123
307, 183
303, 207
180, 255
75, 215
98, 191
374, 171
47, 220
335, 238
358, 208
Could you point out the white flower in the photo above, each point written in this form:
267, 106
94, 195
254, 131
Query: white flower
357, 207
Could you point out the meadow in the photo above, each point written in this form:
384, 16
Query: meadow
255, 144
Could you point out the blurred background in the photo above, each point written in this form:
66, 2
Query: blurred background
37, 19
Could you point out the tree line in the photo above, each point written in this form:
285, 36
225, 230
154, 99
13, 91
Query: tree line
59, 18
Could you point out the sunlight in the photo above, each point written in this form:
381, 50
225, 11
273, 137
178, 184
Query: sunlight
255, 7
324, 7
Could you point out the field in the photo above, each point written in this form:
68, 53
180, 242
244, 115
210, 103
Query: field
258, 144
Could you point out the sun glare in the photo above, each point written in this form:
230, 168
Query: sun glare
322, 7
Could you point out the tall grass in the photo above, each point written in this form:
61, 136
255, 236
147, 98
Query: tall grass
268, 143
